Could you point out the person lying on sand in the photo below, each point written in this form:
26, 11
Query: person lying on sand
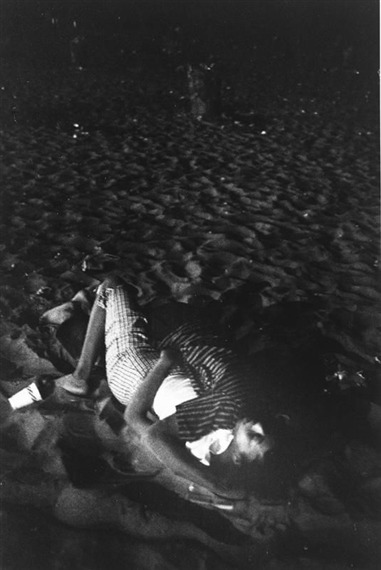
201, 419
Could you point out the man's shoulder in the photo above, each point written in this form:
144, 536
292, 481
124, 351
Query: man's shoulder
197, 333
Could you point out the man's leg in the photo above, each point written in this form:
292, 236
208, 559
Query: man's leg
78, 382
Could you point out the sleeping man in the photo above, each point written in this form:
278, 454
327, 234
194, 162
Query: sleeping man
189, 402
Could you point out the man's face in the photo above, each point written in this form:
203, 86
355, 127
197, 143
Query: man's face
250, 442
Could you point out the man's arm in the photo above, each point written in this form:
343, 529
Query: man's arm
161, 438
142, 401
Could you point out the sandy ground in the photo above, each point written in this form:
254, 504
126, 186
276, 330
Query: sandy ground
272, 217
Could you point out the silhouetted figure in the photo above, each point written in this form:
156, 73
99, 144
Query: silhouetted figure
204, 90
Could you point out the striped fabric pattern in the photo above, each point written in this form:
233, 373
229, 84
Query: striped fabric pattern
219, 377
129, 354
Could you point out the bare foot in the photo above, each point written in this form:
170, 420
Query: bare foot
73, 385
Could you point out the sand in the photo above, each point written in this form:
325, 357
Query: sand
271, 219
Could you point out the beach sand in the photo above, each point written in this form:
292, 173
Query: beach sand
271, 219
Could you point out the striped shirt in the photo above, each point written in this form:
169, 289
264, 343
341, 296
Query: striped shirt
218, 376
215, 375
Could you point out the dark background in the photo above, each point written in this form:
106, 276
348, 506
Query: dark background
291, 30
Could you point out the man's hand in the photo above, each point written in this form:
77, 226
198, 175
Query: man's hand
142, 400
170, 357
